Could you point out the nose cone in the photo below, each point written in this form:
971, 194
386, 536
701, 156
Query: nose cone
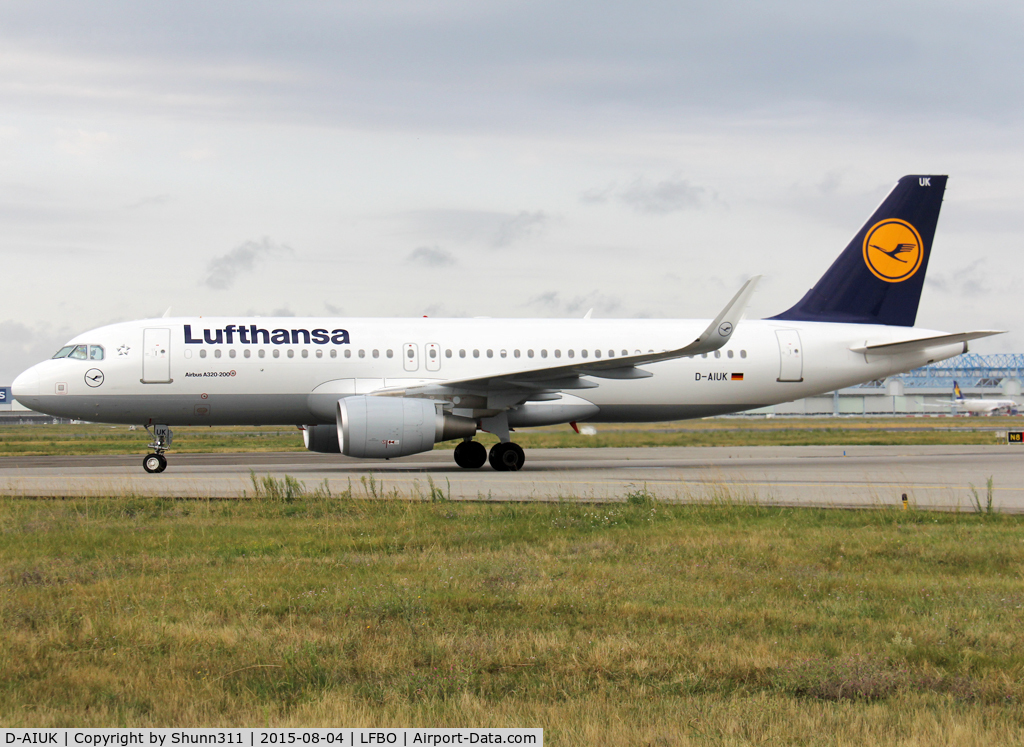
26, 385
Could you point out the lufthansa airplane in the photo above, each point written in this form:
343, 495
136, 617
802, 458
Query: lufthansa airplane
383, 388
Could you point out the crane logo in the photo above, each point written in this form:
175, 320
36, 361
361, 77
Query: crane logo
893, 250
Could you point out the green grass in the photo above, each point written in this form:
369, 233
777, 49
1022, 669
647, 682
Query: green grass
633, 623
104, 439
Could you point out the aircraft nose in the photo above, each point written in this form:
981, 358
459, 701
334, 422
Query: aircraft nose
26, 384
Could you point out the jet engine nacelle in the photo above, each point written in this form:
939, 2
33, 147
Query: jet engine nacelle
321, 438
385, 427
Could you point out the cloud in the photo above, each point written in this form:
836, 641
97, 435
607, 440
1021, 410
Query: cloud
495, 229
553, 303
82, 143
968, 282
148, 201
223, 271
661, 198
519, 227
431, 256
25, 345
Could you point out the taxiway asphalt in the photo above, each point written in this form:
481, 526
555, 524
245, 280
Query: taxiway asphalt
941, 477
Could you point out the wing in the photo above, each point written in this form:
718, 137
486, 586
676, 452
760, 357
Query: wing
509, 389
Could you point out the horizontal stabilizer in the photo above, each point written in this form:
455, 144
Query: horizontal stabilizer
923, 343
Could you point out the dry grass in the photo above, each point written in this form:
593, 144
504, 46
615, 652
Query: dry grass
634, 623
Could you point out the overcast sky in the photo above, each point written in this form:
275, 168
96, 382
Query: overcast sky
459, 158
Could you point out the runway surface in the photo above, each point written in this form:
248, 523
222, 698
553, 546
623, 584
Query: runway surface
931, 476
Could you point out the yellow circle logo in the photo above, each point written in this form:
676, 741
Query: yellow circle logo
893, 250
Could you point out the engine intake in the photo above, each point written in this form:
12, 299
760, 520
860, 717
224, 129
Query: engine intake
386, 427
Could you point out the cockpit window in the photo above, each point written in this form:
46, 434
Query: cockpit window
95, 352
80, 352
64, 352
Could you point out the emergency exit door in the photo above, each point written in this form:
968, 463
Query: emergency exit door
791, 358
411, 356
156, 356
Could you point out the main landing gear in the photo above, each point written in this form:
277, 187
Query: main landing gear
506, 457
162, 437
470, 455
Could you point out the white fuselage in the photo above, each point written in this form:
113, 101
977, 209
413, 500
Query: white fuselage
984, 406
258, 378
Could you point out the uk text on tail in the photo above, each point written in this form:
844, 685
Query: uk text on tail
878, 277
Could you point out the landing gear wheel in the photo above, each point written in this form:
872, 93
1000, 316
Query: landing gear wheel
470, 455
154, 463
507, 457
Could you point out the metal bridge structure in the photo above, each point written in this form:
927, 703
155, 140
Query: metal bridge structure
971, 370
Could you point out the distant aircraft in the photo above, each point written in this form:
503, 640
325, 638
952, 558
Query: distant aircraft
383, 388
982, 406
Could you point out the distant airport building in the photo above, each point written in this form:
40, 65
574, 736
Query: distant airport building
923, 391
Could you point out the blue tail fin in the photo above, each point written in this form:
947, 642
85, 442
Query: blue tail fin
878, 277
956, 391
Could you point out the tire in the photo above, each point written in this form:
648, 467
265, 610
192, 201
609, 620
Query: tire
154, 463
470, 455
507, 457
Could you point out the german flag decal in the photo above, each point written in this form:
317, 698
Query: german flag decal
737, 377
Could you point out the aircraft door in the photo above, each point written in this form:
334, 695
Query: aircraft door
791, 367
156, 356
411, 356
433, 353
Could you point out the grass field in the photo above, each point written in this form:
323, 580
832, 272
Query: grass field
105, 439
639, 623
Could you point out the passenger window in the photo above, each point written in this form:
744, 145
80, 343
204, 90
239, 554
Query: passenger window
625, 352
376, 353
597, 353
216, 353
362, 353
448, 353
730, 354
504, 353
334, 353
348, 353
543, 353
262, 353
410, 353
571, 353
202, 353
462, 353
319, 353
476, 353
291, 352
305, 353
583, 353
80, 352
558, 353
391, 353
95, 353
611, 353
63, 352
277, 353
743, 354
703, 355
247, 353
490, 353
232, 353
515, 353
718, 353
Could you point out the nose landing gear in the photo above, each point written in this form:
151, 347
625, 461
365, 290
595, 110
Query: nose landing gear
162, 437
